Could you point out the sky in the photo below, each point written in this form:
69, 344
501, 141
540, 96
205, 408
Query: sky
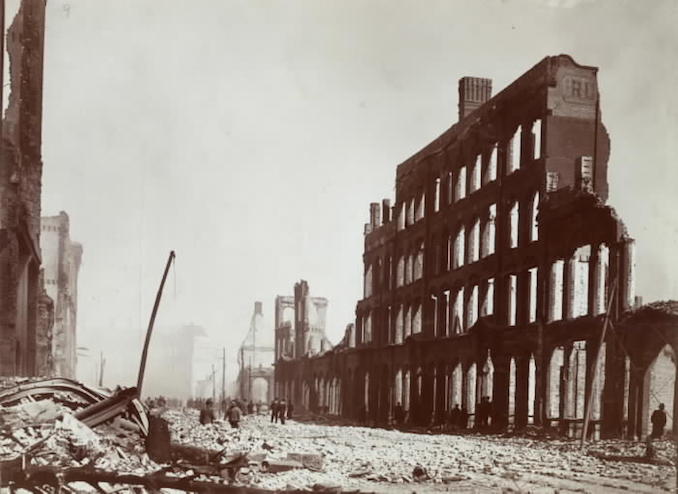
250, 136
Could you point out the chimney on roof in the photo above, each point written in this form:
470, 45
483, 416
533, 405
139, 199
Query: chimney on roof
385, 211
258, 308
375, 215
473, 92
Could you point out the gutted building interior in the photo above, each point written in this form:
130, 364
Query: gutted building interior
500, 273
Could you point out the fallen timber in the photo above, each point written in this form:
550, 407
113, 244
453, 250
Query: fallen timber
36, 478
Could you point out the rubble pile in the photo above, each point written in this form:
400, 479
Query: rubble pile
378, 459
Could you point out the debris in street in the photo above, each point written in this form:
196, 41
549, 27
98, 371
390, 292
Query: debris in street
46, 438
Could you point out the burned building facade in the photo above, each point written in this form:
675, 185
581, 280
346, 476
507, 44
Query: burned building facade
24, 311
493, 273
61, 259
299, 337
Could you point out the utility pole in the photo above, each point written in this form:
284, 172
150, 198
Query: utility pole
588, 404
223, 375
214, 383
102, 364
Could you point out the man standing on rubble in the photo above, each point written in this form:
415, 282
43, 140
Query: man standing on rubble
234, 415
290, 409
658, 420
207, 413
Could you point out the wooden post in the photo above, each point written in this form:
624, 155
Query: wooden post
144, 354
589, 401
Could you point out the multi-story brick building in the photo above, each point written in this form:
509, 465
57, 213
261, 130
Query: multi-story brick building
61, 260
24, 311
492, 274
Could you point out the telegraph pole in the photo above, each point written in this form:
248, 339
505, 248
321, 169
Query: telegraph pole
223, 375
214, 383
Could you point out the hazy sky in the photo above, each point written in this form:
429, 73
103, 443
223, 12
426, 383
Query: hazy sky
251, 136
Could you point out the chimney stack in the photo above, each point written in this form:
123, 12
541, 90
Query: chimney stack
473, 92
386, 211
258, 306
375, 215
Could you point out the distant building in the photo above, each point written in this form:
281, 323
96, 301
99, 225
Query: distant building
61, 260
171, 370
255, 358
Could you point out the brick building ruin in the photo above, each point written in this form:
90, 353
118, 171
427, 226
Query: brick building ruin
299, 339
492, 274
25, 312
61, 259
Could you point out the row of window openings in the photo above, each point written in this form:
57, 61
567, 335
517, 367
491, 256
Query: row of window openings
462, 314
413, 210
410, 268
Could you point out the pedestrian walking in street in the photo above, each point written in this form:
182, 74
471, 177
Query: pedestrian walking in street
658, 420
290, 409
274, 411
282, 409
234, 416
207, 413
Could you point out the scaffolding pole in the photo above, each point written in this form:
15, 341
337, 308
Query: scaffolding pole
589, 401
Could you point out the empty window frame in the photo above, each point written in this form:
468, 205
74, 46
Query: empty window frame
459, 248
489, 233
514, 152
555, 312
536, 133
532, 299
487, 306
437, 198
460, 184
368, 282
472, 307
476, 172
474, 242
490, 174
512, 300
513, 225
534, 224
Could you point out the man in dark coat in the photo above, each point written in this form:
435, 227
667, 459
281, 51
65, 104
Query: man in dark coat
290, 409
282, 409
658, 420
274, 410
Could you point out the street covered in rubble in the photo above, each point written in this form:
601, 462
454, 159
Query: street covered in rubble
45, 443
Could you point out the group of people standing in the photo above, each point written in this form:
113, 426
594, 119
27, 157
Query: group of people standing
233, 414
280, 410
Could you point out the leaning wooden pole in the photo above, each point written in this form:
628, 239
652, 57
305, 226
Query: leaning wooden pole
589, 401
144, 354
